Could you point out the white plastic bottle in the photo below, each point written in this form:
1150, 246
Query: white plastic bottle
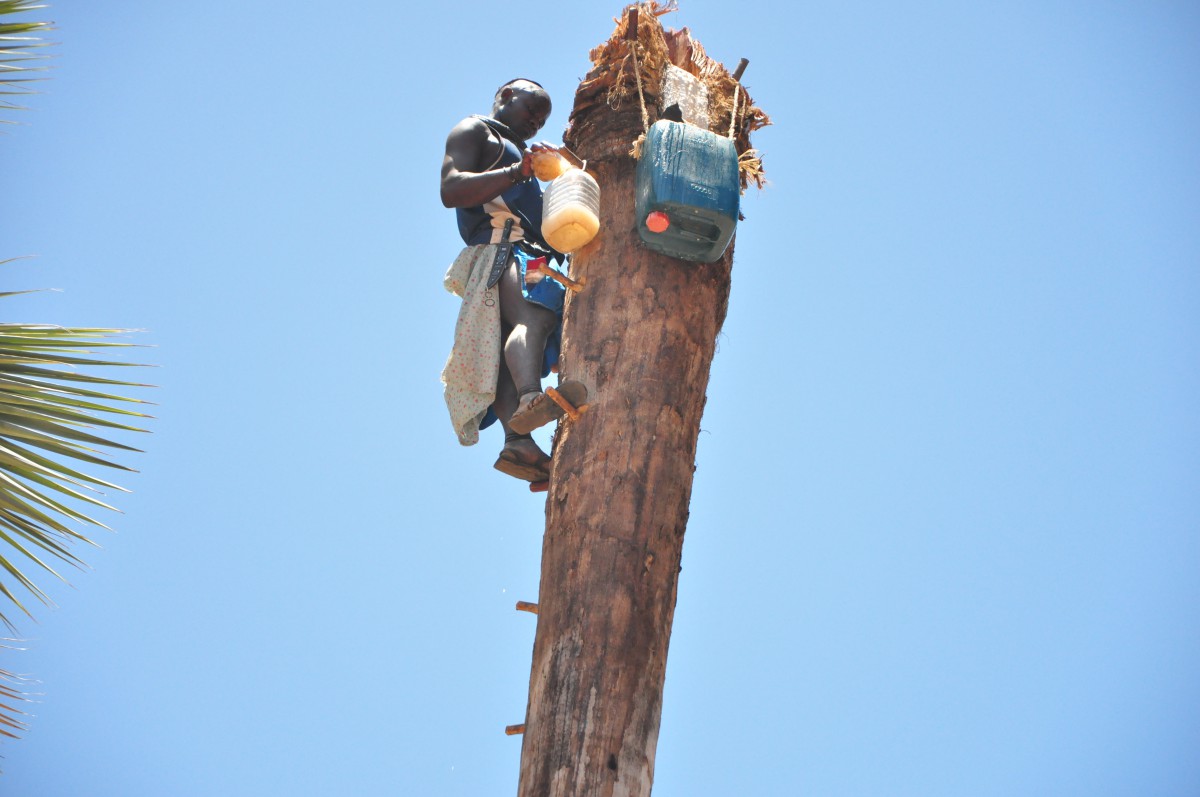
571, 210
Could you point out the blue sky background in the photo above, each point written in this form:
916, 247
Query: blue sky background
945, 529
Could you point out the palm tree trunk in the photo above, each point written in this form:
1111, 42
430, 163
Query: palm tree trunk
641, 336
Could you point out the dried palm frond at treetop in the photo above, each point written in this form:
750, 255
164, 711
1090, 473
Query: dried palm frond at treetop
614, 88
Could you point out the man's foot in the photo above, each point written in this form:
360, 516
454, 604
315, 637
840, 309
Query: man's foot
524, 459
539, 409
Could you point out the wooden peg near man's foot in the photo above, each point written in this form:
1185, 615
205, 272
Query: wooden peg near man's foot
572, 412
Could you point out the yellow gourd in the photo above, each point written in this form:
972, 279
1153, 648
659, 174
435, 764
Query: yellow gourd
548, 165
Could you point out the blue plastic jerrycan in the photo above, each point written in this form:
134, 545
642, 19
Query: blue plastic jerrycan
687, 191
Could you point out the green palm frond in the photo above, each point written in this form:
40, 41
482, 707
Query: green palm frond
53, 422
20, 53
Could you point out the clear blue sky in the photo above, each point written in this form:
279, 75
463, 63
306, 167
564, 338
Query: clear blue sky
945, 530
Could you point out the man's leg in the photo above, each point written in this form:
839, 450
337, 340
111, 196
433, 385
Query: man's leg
506, 391
520, 449
525, 345
524, 329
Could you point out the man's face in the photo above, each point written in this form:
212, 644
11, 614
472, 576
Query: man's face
524, 109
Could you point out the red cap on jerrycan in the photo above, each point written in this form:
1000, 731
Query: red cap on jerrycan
657, 221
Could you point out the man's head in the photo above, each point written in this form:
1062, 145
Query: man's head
523, 105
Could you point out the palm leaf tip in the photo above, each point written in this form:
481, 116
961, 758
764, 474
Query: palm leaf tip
20, 51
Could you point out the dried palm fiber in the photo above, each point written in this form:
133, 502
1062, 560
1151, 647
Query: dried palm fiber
734, 113
608, 103
600, 119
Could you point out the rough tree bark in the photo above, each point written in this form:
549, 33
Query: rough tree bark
641, 336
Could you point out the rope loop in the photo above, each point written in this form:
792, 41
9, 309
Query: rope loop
733, 114
637, 73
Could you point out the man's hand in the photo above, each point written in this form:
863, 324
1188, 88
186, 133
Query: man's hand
527, 156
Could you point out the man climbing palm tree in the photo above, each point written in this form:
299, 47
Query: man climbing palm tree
508, 306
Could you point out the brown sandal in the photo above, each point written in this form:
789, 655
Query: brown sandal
542, 410
510, 463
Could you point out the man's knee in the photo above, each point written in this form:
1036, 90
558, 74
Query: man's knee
542, 323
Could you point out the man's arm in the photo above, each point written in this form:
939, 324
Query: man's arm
463, 185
